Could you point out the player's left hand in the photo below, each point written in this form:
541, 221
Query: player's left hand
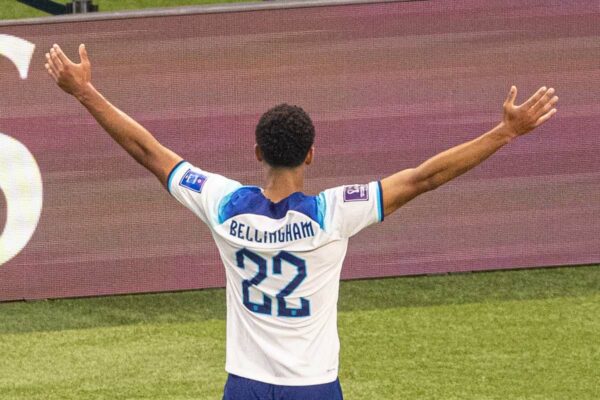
72, 78
523, 118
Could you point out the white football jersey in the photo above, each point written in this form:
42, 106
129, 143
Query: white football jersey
282, 262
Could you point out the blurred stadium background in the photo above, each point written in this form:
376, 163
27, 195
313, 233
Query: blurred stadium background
388, 85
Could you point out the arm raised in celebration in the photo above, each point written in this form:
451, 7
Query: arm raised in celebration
75, 79
403, 186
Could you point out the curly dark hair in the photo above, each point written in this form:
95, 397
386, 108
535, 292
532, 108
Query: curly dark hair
284, 135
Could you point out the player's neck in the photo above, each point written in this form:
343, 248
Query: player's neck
282, 182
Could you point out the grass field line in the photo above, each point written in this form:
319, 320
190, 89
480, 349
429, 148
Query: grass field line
375, 294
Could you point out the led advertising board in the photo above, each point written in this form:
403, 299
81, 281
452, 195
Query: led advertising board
387, 84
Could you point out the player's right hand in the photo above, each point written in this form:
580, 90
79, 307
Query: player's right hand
72, 78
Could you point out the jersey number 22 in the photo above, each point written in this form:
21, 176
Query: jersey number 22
265, 308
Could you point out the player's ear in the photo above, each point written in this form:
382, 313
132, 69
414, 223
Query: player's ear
258, 153
309, 156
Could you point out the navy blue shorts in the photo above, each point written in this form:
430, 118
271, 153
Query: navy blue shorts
238, 388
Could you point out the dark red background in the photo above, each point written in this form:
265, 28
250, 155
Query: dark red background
388, 85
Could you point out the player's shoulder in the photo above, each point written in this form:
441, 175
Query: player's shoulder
186, 176
351, 207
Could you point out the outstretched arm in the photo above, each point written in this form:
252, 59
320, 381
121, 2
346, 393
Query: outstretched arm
75, 79
405, 185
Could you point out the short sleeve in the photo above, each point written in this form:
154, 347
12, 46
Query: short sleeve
349, 209
200, 191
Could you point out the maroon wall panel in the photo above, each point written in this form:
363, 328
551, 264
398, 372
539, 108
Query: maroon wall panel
388, 86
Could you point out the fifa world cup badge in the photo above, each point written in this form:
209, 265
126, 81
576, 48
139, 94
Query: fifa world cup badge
356, 193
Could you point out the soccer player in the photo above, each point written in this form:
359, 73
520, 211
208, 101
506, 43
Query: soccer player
282, 249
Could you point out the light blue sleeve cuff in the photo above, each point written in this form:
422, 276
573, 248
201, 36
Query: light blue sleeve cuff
172, 174
380, 201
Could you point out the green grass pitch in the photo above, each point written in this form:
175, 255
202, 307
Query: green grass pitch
529, 334
12, 9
